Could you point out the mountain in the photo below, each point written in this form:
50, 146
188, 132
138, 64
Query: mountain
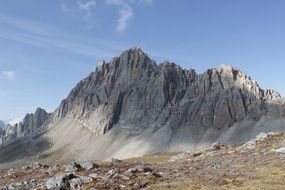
30, 123
2, 124
13, 121
132, 106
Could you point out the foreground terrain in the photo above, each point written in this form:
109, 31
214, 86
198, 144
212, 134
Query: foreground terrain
257, 164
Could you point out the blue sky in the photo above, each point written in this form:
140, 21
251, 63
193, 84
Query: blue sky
46, 47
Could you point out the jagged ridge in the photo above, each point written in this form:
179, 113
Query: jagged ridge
135, 92
30, 123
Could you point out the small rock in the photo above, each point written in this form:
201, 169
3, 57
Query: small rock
111, 173
25, 168
72, 167
177, 157
59, 182
88, 165
86, 179
75, 183
136, 186
140, 168
251, 144
216, 146
211, 153
36, 165
52, 169
11, 186
115, 161
122, 187
122, 176
93, 175
280, 150
128, 173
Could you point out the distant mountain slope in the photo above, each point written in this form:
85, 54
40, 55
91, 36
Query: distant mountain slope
2, 124
30, 123
134, 92
132, 106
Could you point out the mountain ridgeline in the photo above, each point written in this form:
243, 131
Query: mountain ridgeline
133, 91
132, 106
30, 123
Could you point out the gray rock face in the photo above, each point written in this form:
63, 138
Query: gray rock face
30, 123
69, 181
2, 125
132, 91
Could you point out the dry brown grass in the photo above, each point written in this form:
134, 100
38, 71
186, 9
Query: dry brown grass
154, 158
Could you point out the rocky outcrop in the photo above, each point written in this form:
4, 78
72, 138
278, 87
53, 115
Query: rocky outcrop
2, 125
132, 91
30, 123
271, 95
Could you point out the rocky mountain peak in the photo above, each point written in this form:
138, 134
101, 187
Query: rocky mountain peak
30, 123
270, 94
132, 87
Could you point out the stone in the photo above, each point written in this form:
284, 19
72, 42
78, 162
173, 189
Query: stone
52, 169
122, 176
177, 157
36, 165
86, 179
75, 183
280, 150
72, 167
252, 143
93, 175
111, 173
59, 182
88, 165
115, 161
140, 168
128, 173
216, 146
122, 187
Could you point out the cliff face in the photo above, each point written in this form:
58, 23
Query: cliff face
30, 123
133, 92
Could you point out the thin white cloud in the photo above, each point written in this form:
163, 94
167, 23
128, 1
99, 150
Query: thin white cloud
149, 2
115, 2
82, 8
9, 75
86, 6
55, 39
86, 9
125, 14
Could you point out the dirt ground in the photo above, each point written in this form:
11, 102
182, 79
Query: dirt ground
222, 167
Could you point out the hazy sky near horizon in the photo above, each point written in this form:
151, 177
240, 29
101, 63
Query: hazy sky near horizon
46, 47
